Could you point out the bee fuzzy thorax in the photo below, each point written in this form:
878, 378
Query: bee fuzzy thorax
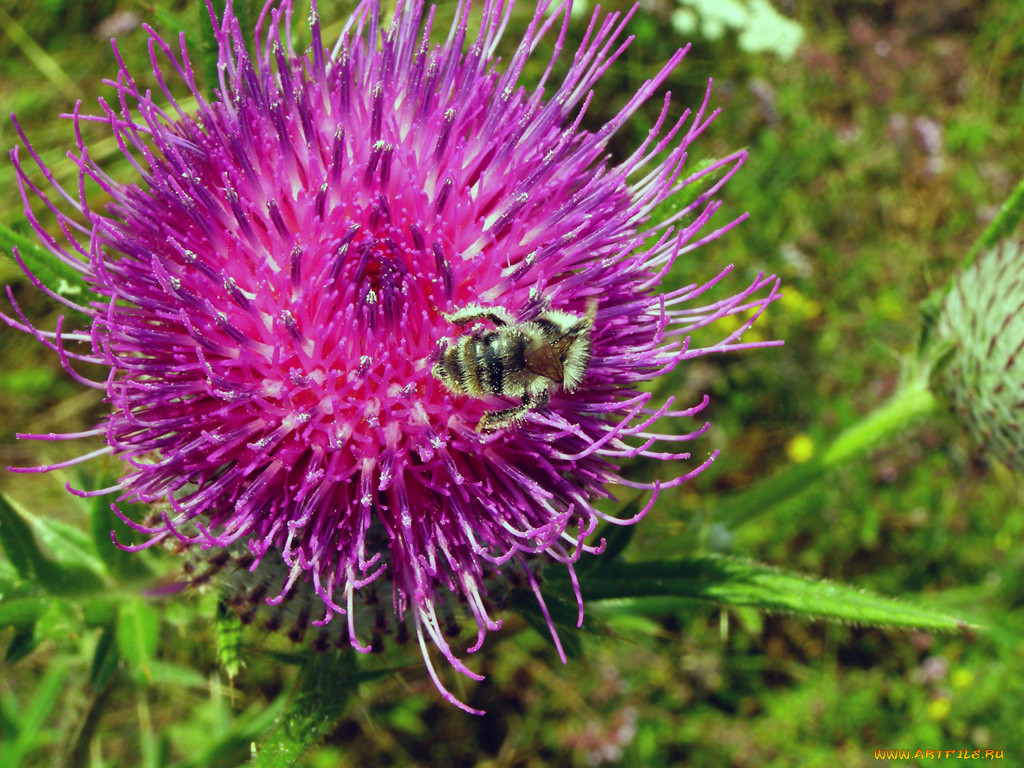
526, 360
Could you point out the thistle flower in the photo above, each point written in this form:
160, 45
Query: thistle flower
982, 322
277, 285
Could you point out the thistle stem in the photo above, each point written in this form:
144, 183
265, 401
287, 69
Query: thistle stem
910, 402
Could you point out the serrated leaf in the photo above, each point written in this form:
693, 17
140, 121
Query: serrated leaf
18, 542
51, 271
138, 634
734, 581
625, 620
616, 537
70, 545
323, 690
74, 569
563, 615
655, 605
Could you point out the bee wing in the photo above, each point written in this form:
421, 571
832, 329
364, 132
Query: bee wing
549, 360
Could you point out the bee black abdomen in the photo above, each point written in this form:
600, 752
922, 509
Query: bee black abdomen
490, 362
451, 369
486, 364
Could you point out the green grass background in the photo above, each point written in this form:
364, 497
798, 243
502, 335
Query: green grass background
878, 153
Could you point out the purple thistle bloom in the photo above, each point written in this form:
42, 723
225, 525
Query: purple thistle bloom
275, 290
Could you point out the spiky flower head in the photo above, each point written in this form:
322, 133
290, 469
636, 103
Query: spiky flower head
982, 322
279, 282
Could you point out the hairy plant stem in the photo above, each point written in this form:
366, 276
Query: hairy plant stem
910, 402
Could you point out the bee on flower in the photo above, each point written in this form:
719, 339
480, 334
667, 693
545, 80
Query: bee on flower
277, 279
524, 360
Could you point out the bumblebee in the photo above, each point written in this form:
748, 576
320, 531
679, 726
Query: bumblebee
525, 360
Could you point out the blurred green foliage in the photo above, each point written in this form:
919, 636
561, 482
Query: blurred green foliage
878, 153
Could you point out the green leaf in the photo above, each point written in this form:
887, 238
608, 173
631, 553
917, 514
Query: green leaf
564, 616
75, 569
46, 267
27, 381
407, 716
10, 725
688, 194
23, 610
208, 48
235, 745
291, 658
323, 690
25, 607
22, 644
10, 580
616, 537
102, 683
105, 658
18, 542
639, 606
35, 713
164, 673
103, 521
733, 581
245, 11
138, 634
71, 546
1006, 220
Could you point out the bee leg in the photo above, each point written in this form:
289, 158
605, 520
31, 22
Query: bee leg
492, 421
499, 316
536, 397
